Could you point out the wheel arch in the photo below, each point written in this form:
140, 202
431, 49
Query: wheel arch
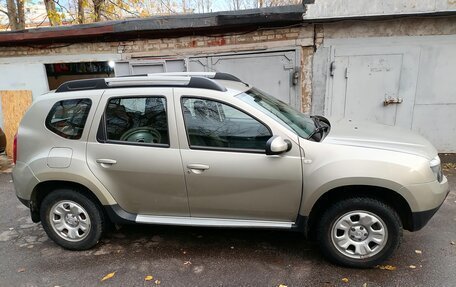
46, 187
388, 196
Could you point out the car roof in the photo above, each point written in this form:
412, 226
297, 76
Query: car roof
219, 82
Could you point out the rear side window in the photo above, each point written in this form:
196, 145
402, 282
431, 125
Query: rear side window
137, 120
67, 118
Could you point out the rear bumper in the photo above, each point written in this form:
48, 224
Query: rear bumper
24, 201
24, 180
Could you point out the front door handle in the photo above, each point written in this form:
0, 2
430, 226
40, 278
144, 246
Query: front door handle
197, 168
106, 162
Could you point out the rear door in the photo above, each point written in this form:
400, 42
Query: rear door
134, 151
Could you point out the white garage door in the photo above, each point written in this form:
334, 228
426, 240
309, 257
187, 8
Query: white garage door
272, 72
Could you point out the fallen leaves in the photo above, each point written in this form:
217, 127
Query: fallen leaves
148, 278
187, 263
282, 285
386, 267
20, 270
412, 267
345, 280
157, 282
452, 242
108, 276
418, 251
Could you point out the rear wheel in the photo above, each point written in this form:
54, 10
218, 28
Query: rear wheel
72, 219
359, 232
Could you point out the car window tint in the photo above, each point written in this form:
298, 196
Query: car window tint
141, 120
67, 118
217, 125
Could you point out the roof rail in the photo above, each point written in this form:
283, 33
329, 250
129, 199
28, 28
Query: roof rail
210, 75
141, 81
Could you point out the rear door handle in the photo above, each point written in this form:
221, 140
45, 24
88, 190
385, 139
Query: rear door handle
106, 162
197, 168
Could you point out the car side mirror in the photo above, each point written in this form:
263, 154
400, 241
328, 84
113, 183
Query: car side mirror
277, 145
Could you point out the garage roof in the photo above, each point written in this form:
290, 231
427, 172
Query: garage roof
159, 26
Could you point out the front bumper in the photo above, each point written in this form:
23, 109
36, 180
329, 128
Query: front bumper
429, 198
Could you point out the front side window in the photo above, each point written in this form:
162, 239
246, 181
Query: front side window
211, 124
67, 118
294, 120
140, 120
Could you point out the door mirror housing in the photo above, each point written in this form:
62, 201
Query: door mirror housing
277, 145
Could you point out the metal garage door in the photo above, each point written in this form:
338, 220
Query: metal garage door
138, 67
272, 72
374, 84
407, 86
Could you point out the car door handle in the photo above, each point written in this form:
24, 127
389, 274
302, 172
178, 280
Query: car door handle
197, 168
105, 162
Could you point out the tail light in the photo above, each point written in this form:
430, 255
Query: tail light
15, 149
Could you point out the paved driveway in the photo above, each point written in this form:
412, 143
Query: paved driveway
178, 256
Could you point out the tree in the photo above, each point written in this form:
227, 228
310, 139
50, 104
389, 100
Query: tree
97, 10
54, 17
80, 9
16, 14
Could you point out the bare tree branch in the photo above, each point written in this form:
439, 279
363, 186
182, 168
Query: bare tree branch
64, 8
122, 8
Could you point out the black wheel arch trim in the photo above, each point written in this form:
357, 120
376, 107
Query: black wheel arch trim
118, 215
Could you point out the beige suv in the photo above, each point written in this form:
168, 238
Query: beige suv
206, 149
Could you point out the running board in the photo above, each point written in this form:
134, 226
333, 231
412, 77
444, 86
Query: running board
211, 222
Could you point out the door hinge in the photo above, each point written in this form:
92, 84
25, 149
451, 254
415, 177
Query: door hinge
346, 72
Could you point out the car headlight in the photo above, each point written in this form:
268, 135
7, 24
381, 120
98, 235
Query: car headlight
436, 168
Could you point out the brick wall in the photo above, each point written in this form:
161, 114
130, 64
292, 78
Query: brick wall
170, 46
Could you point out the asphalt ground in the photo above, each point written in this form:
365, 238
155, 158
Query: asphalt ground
184, 256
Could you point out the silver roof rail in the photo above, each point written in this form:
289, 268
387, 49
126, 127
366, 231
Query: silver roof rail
142, 81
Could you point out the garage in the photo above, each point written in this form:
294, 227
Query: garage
275, 72
405, 82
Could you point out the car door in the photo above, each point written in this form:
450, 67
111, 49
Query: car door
228, 174
133, 151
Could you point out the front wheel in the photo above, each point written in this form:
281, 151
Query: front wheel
71, 219
359, 232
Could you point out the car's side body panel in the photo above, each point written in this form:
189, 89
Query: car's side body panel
145, 179
240, 184
328, 166
36, 142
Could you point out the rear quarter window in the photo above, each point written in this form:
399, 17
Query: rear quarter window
67, 118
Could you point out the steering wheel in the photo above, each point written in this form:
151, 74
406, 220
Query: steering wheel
142, 135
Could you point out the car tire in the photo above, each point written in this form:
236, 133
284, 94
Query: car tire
350, 232
72, 219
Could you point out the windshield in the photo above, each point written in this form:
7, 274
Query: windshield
290, 118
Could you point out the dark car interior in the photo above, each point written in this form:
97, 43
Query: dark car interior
208, 125
149, 125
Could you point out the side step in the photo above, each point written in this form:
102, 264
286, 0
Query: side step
211, 222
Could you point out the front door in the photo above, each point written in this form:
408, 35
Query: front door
228, 174
134, 152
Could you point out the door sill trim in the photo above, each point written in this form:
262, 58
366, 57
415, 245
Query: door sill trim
211, 222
